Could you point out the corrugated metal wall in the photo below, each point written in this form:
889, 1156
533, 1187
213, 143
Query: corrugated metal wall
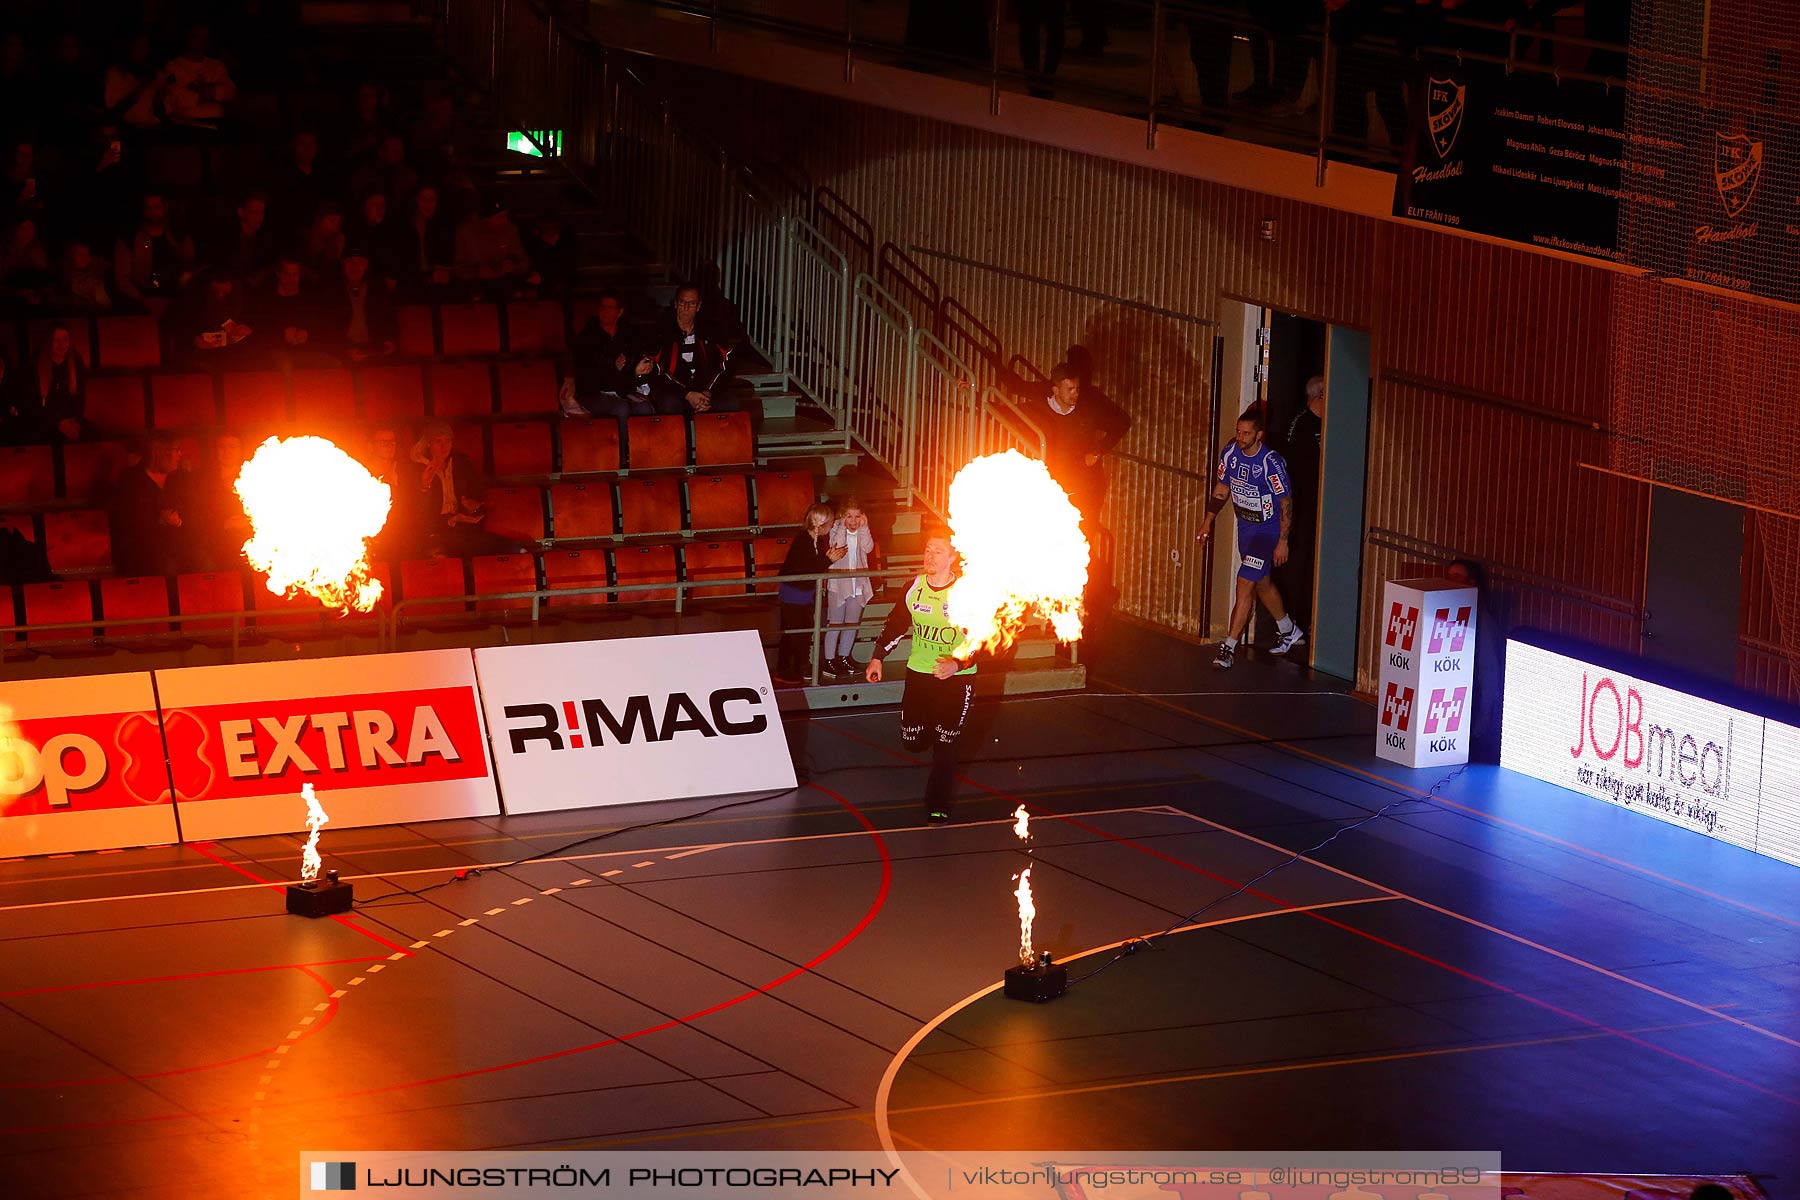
1489, 361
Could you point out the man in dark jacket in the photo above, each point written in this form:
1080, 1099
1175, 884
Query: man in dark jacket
686, 368
150, 513
1079, 428
608, 368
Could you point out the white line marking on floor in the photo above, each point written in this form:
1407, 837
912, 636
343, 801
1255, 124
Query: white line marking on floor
549, 891
493, 912
644, 864
579, 882
420, 945
522, 900
469, 922
443, 933
686, 853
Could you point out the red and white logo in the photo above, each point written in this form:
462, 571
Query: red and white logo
1402, 624
1447, 634
1446, 709
1396, 707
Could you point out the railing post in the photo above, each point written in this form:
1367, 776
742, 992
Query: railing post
1327, 96
994, 63
1156, 53
818, 629
846, 309
850, 39
909, 416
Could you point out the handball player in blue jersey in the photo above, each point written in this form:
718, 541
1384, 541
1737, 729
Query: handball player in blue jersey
1254, 480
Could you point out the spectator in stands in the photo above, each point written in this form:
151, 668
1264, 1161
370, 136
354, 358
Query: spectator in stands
323, 246
398, 538
246, 248
848, 591
24, 264
1042, 35
810, 553
389, 174
15, 430
220, 525
448, 494
1362, 69
155, 263
366, 126
104, 191
299, 186
1079, 429
490, 255
458, 197
435, 135
429, 246
200, 88
1301, 449
377, 234
132, 90
719, 319
364, 311
211, 327
607, 368
553, 254
686, 369
81, 285
301, 333
149, 533
58, 396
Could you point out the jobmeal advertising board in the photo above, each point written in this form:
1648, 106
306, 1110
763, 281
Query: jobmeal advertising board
1707, 765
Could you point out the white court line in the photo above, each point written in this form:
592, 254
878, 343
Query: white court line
567, 858
686, 853
1513, 937
886, 1086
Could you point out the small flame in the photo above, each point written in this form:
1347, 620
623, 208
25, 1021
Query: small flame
1022, 827
1027, 911
310, 862
1022, 548
312, 511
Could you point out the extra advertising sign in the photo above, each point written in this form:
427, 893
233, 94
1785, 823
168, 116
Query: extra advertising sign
1701, 764
1426, 638
384, 739
81, 766
622, 720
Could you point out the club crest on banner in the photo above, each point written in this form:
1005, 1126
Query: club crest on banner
1445, 102
1737, 167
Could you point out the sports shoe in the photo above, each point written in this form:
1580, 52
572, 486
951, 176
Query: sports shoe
1223, 659
1288, 641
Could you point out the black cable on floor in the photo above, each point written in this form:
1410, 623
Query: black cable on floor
556, 851
1127, 949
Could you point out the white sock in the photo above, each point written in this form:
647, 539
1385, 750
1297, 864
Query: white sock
1231, 643
1285, 625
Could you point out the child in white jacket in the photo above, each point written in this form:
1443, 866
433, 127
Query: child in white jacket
847, 594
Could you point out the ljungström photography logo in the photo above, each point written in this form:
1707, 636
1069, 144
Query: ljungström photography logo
333, 1177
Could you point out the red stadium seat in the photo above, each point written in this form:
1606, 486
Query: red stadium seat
255, 399
645, 564
37, 336
528, 387
21, 524
515, 513
589, 445
521, 448
469, 329
27, 476
90, 469
770, 553
426, 579
650, 505
718, 502
209, 592
716, 560
581, 510
79, 540
497, 573
460, 390
417, 336
576, 569
137, 596
723, 439
656, 442
782, 497
115, 403
127, 343
284, 616
182, 401
58, 604
391, 394
535, 326
324, 402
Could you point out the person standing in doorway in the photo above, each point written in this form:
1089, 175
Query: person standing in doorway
1255, 480
1302, 451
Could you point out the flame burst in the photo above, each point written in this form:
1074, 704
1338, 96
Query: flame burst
1023, 552
312, 511
1027, 912
310, 862
1022, 823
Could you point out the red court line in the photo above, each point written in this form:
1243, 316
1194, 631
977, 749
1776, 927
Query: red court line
1317, 916
264, 1052
856, 931
341, 919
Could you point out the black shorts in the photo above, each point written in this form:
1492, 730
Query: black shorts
934, 708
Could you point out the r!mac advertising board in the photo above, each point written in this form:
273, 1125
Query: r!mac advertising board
1582, 723
81, 766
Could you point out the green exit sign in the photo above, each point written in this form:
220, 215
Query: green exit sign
528, 142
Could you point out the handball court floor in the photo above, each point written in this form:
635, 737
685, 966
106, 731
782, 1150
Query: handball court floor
1501, 965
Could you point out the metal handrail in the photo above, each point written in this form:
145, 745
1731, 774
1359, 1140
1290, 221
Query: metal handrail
1400, 543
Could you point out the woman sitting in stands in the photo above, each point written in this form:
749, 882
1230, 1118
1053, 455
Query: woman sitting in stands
52, 403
